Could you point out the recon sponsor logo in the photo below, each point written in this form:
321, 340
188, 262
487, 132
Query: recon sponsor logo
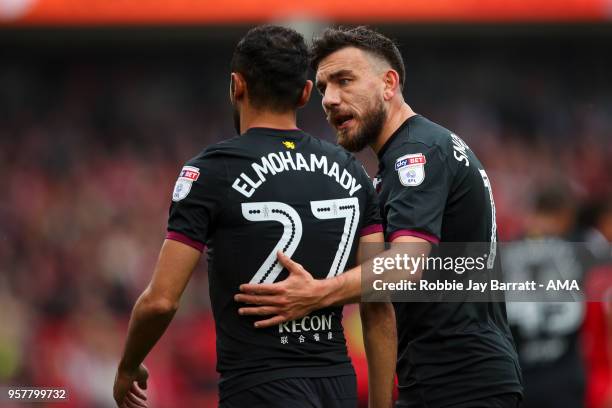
306, 324
275, 163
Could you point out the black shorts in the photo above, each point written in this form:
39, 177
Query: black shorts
325, 392
499, 401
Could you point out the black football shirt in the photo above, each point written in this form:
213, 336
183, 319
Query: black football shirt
245, 199
547, 333
432, 186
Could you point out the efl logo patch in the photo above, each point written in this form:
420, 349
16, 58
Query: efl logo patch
411, 169
188, 175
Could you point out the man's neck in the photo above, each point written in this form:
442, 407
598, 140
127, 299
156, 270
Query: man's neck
267, 119
396, 117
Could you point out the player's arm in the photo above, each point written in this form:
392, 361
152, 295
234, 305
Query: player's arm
300, 293
347, 289
297, 295
151, 315
380, 340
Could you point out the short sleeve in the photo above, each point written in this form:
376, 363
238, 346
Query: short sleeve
196, 200
419, 188
372, 221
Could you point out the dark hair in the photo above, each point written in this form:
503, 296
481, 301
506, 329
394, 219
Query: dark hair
364, 38
274, 63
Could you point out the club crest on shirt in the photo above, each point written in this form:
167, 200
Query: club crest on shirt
411, 169
188, 175
289, 145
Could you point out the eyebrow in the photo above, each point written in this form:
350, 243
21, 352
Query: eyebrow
335, 75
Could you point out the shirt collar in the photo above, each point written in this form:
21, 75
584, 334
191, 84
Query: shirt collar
385, 147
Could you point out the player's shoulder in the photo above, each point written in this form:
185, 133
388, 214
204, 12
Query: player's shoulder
210, 163
332, 150
215, 152
420, 139
422, 131
451, 147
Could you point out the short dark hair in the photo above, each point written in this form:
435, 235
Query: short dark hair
274, 62
362, 37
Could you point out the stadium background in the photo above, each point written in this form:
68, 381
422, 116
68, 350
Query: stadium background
102, 101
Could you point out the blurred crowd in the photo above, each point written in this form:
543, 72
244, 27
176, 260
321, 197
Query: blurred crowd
90, 149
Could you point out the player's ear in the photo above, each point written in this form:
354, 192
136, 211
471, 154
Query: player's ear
306, 92
392, 84
237, 87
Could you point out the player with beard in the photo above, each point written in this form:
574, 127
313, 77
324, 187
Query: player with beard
272, 188
432, 189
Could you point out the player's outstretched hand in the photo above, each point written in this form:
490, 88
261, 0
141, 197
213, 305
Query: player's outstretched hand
286, 300
129, 387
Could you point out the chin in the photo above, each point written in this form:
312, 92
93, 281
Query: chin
343, 138
347, 143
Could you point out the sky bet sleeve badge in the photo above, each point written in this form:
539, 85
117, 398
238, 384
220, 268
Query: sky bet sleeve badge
188, 175
411, 169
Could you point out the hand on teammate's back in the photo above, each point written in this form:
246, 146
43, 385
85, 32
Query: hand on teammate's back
292, 298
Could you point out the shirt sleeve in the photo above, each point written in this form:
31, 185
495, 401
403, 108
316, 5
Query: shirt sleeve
196, 201
419, 188
372, 221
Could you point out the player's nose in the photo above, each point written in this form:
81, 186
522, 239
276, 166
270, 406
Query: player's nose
331, 98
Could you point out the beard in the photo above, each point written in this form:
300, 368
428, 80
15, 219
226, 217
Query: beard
236, 117
372, 123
